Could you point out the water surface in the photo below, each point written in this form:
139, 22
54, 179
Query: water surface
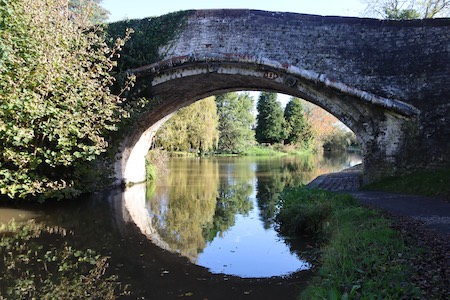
219, 212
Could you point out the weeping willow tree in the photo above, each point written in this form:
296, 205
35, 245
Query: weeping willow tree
191, 129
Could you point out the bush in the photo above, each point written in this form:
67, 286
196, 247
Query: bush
339, 140
55, 103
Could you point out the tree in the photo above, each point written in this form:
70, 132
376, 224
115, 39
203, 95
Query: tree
193, 128
235, 122
297, 127
269, 128
408, 9
56, 108
96, 14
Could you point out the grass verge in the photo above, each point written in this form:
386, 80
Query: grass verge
427, 183
262, 151
362, 257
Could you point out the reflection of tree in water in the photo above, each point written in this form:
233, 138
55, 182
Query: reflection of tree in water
189, 205
273, 176
233, 199
195, 206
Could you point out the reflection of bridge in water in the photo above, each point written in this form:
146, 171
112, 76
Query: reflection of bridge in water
135, 209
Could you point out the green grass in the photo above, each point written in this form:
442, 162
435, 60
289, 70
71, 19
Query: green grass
362, 257
427, 183
276, 150
262, 151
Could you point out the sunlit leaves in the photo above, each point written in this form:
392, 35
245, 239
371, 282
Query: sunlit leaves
235, 122
193, 128
55, 102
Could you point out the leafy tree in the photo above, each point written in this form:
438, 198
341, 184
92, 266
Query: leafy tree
235, 122
297, 127
55, 103
339, 140
96, 13
270, 120
193, 128
408, 9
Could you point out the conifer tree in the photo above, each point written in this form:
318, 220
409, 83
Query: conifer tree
270, 120
297, 127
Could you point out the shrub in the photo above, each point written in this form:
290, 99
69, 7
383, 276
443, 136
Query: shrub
55, 102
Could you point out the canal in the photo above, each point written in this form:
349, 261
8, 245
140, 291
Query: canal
204, 230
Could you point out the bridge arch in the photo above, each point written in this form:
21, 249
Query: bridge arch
184, 80
386, 80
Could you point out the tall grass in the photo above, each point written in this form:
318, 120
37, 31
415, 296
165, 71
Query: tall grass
362, 257
262, 151
276, 150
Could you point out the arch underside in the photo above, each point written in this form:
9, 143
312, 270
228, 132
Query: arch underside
181, 81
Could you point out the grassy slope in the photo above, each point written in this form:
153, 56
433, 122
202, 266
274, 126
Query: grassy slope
362, 257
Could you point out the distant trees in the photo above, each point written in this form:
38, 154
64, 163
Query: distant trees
193, 128
270, 120
288, 127
408, 9
56, 108
235, 122
200, 128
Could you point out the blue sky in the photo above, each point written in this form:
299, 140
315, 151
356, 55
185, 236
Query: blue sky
133, 9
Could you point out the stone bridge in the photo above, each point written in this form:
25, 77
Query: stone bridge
388, 81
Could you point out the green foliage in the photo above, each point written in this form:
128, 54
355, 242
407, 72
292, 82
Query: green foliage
402, 14
262, 151
155, 164
97, 14
428, 183
235, 122
270, 120
298, 130
193, 128
31, 269
149, 34
363, 258
55, 103
339, 140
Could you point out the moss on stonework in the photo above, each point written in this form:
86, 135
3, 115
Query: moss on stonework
149, 35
